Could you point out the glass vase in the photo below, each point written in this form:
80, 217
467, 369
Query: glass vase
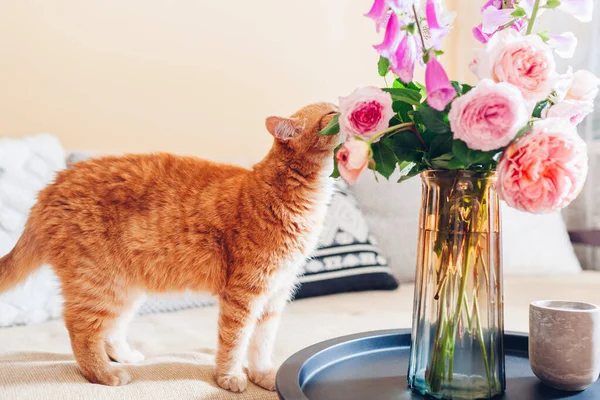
458, 323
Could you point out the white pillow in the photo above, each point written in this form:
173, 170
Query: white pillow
532, 244
27, 166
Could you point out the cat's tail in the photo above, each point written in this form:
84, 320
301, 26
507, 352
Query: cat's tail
20, 262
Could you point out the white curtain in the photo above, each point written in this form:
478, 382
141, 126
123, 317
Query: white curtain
584, 213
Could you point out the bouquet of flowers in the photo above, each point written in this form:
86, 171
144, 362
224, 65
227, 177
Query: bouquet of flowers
519, 120
518, 125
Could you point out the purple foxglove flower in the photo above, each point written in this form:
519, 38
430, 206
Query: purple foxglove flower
437, 30
440, 91
403, 61
480, 35
564, 44
431, 15
392, 37
492, 3
401, 6
519, 25
379, 13
494, 19
580, 9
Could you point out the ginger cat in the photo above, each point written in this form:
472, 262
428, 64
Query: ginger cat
117, 227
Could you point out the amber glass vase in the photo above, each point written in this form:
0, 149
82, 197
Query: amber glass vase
458, 322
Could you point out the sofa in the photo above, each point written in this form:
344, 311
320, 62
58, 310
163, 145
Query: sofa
36, 360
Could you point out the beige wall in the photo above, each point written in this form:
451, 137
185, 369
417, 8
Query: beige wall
185, 76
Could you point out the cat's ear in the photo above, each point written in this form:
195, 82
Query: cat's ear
284, 128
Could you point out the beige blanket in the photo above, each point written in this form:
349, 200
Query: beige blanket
36, 361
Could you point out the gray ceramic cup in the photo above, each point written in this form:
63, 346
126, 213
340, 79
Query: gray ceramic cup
564, 343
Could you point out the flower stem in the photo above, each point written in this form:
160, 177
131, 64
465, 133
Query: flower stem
395, 128
536, 7
482, 343
418, 23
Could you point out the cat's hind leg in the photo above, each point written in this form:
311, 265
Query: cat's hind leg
117, 347
91, 309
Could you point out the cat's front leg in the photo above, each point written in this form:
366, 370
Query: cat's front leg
239, 311
262, 370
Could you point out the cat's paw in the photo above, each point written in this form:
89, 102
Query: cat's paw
124, 354
110, 377
264, 379
132, 357
234, 382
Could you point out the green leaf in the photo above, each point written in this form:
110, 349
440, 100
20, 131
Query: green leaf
402, 109
398, 84
552, 4
466, 88
544, 35
523, 131
383, 66
455, 163
457, 86
441, 144
434, 120
426, 57
332, 128
336, 172
470, 157
407, 147
406, 95
540, 107
384, 157
410, 170
441, 162
461, 88
519, 12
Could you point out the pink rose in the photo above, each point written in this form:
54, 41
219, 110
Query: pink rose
544, 170
525, 62
573, 111
489, 116
365, 112
584, 86
353, 158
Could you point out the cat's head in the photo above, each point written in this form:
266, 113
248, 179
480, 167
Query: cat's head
300, 132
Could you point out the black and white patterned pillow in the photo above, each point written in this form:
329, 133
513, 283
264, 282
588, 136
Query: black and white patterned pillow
348, 258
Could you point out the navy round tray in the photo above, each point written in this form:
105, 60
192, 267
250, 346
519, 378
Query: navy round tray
373, 366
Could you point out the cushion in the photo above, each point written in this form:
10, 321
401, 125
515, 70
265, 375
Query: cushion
532, 244
348, 258
27, 165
